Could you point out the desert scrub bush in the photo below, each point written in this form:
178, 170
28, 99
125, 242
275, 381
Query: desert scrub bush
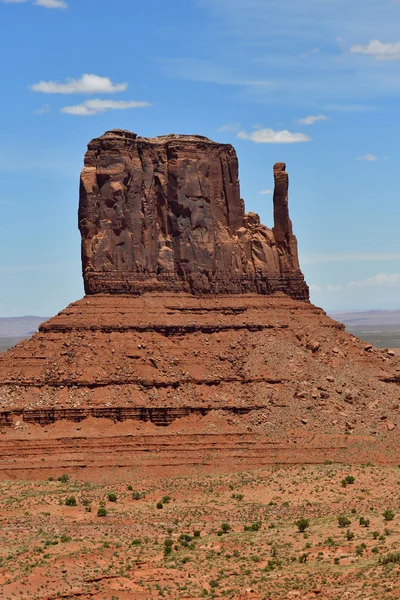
136, 542
349, 480
137, 495
168, 543
388, 515
364, 522
391, 558
225, 527
303, 558
253, 527
166, 499
196, 533
64, 478
184, 539
112, 497
238, 496
375, 535
70, 501
129, 488
302, 524
102, 512
159, 505
65, 538
360, 549
343, 521
349, 535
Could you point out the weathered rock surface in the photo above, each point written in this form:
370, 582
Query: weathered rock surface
165, 214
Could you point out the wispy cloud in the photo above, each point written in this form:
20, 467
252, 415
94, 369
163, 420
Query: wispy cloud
96, 106
391, 280
232, 127
43, 110
310, 120
293, 46
367, 158
265, 192
87, 84
44, 3
378, 50
340, 257
269, 136
21, 268
7, 203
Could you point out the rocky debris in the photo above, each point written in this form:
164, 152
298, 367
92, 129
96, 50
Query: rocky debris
165, 213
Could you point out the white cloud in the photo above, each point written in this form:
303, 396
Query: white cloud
232, 127
87, 84
265, 192
310, 120
340, 257
367, 157
43, 110
52, 3
311, 52
44, 3
379, 50
95, 106
269, 136
380, 279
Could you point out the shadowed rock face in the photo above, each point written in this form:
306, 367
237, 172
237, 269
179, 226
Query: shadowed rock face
165, 214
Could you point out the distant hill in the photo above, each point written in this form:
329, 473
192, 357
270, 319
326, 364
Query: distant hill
19, 326
369, 318
378, 327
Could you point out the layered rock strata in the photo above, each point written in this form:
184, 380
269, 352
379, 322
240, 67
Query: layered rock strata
165, 214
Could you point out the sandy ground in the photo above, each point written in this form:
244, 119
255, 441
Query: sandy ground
247, 543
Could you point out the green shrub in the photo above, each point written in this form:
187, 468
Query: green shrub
159, 505
388, 515
65, 538
136, 542
102, 512
364, 522
166, 499
196, 533
303, 558
63, 478
112, 497
129, 488
253, 527
70, 501
137, 495
392, 558
349, 535
302, 524
225, 527
343, 521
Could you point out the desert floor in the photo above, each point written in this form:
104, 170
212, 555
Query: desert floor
214, 535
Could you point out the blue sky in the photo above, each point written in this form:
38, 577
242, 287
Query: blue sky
314, 83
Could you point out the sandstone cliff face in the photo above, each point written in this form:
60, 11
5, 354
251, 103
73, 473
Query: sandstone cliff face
165, 214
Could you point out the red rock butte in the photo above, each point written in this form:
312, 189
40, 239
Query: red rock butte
196, 343
165, 214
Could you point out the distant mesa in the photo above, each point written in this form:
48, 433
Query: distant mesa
165, 214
